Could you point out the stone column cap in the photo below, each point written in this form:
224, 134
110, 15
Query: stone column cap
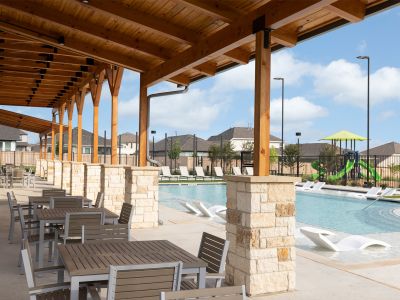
263, 179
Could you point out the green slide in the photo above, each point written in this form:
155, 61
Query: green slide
321, 170
371, 170
341, 173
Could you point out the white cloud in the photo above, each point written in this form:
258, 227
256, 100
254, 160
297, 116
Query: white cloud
362, 47
385, 115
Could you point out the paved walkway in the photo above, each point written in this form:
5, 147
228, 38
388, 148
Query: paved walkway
317, 277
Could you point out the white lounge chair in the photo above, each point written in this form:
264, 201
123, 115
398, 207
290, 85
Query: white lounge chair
249, 171
371, 193
317, 186
166, 173
187, 205
352, 242
200, 173
185, 173
211, 211
218, 172
236, 171
386, 192
306, 186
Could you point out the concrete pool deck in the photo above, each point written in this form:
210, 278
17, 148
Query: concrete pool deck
318, 276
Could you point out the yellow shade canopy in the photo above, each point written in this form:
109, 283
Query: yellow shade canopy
344, 136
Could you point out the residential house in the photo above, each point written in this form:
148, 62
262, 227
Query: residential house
386, 155
241, 138
127, 143
13, 139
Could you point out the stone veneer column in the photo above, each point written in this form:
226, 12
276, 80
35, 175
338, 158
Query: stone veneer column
57, 173
50, 171
66, 176
38, 167
43, 169
113, 186
142, 192
77, 179
92, 180
260, 227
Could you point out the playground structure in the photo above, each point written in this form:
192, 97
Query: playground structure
352, 167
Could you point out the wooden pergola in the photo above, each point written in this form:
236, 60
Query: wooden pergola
52, 52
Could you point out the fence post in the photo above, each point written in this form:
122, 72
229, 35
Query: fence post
298, 165
345, 173
374, 170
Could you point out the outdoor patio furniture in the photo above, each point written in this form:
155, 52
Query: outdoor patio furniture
13, 207
218, 172
49, 291
105, 232
74, 222
352, 242
37, 201
166, 173
317, 186
213, 250
125, 214
99, 200
185, 173
200, 173
17, 176
57, 216
306, 186
249, 171
29, 180
187, 205
372, 192
53, 193
208, 212
223, 293
237, 171
66, 202
143, 281
83, 264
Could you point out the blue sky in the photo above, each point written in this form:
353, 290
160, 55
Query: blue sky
325, 90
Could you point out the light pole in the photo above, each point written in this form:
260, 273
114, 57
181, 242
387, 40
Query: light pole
153, 132
283, 106
368, 64
298, 134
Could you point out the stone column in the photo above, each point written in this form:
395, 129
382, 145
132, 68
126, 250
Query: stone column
142, 192
260, 227
92, 181
77, 179
43, 169
50, 171
38, 167
66, 176
113, 186
57, 173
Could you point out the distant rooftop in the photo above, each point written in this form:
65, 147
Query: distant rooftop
385, 149
239, 133
10, 133
186, 143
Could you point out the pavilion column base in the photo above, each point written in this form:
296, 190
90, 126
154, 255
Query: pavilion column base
92, 180
260, 227
50, 171
58, 173
77, 179
43, 168
66, 176
141, 185
38, 167
113, 186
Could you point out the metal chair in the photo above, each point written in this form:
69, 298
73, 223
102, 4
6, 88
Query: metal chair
143, 281
66, 202
54, 193
75, 221
13, 206
99, 200
125, 214
222, 293
213, 250
17, 175
49, 291
105, 232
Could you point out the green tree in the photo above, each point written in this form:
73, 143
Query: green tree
248, 146
291, 152
214, 152
227, 153
273, 155
175, 151
327, 157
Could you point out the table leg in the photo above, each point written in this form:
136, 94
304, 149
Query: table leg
41, 242
60, 276
201, 278
74, 288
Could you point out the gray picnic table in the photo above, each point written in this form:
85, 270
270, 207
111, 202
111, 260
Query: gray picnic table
45, 200
57, 216
91, 261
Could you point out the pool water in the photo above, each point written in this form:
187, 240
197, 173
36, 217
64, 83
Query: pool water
338, 213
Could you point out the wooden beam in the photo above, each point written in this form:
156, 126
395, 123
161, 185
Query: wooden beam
277, 14
53, 137
146, 21
114, 78
143, 121
61, 111
284, 38
207, 68
239, 56
262, 106
350, 10
67, 60
80, 100
45, 146
95, 90
42, 65
70, 110
40, 146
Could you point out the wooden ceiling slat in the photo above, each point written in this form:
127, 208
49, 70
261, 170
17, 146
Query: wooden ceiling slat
44, 65
68, 60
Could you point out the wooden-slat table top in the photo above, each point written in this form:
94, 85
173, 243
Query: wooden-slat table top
59, 213
95, 258
40, 200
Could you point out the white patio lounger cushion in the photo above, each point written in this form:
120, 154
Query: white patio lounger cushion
317, 186
305, 186
352, 242
372, 192
249, 171
189, 207
386, 192
218, 172
236, 171
209, 212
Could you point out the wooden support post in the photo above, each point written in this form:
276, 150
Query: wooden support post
80, 100
70, 109
41, 147
53, 137
262, 104
61, 111
95, 90
143, 116
45, 146
114, 77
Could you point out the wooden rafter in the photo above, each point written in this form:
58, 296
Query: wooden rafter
351, 10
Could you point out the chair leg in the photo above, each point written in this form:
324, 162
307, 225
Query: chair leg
11, 230
37, 252
51, 251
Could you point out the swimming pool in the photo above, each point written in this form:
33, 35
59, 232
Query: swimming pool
323, 210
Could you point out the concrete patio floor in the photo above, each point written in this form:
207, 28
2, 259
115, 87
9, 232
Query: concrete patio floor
317, 277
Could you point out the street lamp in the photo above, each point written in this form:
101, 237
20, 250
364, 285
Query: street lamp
368, 64
298, 134
283, 106
153, 132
